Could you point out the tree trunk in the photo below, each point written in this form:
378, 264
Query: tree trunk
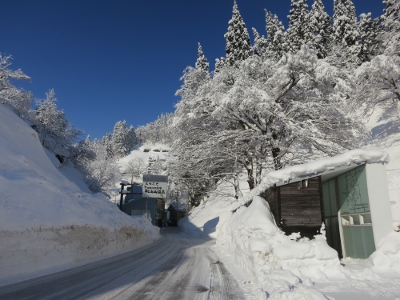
238, 192
250, 175
277, 159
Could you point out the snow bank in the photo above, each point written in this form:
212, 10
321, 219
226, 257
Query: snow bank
282, 266
205, 219
387, 256
47, 219
287, 267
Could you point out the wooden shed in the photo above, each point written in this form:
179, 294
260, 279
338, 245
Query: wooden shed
297, 206
352, 200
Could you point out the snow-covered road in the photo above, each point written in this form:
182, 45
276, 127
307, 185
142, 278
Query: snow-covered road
174, 267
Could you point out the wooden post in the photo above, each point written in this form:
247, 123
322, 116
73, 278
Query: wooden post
122, 196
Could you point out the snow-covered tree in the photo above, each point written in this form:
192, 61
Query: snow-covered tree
368, 31
18, 99
135, 168
238, 46
345, 22
99, 170
320, 29
275, 35
55, 132
202, 63
123, 139
299, 32
102, 173
390, 33
158, 131
265, 121
377, 83
219, 63
260, 46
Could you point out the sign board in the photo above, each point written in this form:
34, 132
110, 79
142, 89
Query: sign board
154, 186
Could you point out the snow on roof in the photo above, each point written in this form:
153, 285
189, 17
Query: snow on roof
341, 162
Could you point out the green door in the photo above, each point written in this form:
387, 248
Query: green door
355, 214
331, 208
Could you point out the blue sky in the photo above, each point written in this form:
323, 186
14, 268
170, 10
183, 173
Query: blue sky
122, 60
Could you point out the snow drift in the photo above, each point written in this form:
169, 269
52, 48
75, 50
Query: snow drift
47, 220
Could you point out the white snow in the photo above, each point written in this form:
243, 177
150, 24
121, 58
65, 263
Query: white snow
285, 267
47, 219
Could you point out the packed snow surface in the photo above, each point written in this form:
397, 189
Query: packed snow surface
48, 220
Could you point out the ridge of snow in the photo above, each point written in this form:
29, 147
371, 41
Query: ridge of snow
46, 218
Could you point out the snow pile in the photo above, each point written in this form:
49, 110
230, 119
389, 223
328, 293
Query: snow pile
205, 219
387, 256
47, 220
282, 266
384, 125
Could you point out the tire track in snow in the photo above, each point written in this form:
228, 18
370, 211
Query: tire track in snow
174, 267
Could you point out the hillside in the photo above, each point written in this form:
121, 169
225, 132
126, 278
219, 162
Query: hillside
49, 220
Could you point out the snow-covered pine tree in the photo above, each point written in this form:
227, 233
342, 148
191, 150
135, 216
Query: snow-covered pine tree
123, 139
368, 31
260, 46
390, 34
377, 81
55, 132
320, 24
219, 64
108, 146
131, 138
391, 15
19, 100
275, 35
202, 63
299, 32
238, 46
345, 22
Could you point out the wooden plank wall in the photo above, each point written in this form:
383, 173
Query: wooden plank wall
301, 206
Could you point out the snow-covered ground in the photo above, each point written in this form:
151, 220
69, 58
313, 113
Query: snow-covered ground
274, 266
48, 218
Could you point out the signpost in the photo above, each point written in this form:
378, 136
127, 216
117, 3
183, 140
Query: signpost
154, 186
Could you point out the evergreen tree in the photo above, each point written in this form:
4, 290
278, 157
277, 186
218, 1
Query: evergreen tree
106, 142
275, 35
18, 99
123, 139
55, 132
260, 46
390, 28
391, 15
202, 63
298, 32
345, 22
320, 28
238, 46
131, 139
368, 31
219, 64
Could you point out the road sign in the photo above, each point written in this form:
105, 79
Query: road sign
155, 186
